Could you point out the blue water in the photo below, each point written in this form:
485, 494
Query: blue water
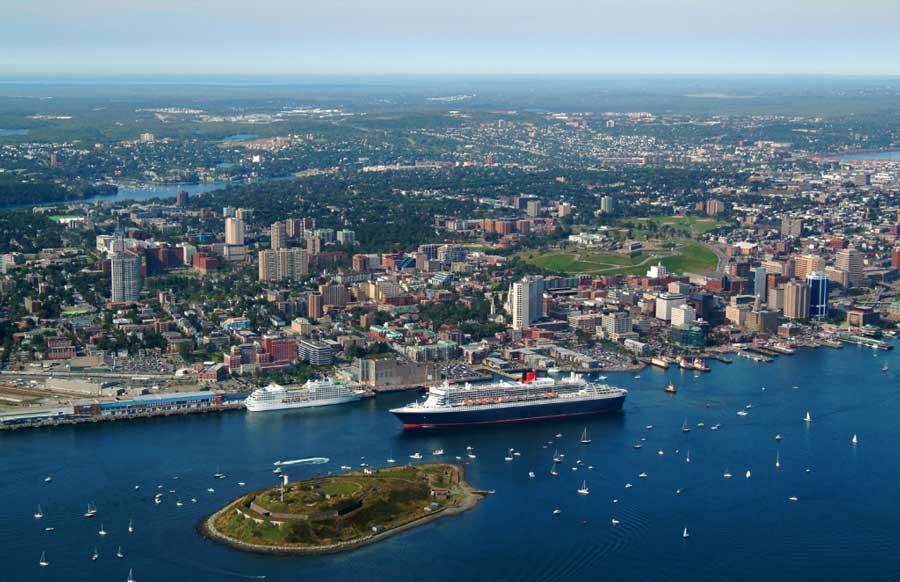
135, 192
843, 526
891, 156
12, 132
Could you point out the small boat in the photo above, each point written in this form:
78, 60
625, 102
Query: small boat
95, 555
43, 563
178, 503
553, 470
241, 484
277, 470
49, 529
517, 454
884, 368
660, 453
193, 500
157, 500
687, 459
777, 460
742, 413
556, 512
778, 438
210, 490
614, 521
649, 427
685, 427
685, 535
91, 511
808, 417
531, 474
792, 498
39, 513
471, 455
701, 424
679, 491
136, 487
48, 479
508, 456
671, 388
437, 452
130, 576
747, 474
638, 445
584, 489
628, 485
585, 440
638, 377
642, 475
559, 435
469, 448
119, 553
348, 467
727, 474
102, 531
574, 468
715, 426
556, 457
130, 526
853, 440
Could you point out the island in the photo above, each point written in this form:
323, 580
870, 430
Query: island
335, 513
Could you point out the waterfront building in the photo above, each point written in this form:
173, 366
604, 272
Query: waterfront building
683, 314
616, 324
818, 295
526, 300
665, 302
796, 300
688, 336
315, 352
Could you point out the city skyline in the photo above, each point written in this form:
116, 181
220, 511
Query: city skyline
398, 37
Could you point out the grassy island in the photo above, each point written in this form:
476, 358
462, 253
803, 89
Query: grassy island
340, 512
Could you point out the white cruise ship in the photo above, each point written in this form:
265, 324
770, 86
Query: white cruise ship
313, 393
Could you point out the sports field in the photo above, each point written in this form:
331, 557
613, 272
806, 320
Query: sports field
686, 256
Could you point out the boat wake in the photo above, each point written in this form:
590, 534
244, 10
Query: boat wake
309, 461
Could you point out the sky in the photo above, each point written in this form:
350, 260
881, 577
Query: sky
359, 37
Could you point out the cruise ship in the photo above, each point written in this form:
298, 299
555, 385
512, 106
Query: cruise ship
313, 393
529, 399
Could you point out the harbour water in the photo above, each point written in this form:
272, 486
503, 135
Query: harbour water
842, 525
885, 156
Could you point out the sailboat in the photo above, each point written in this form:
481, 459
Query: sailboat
853, 440
553, 470
685, 427
391, 460
130, 526
119, 553
556, 457
727, 474
585, 440
531, 474
416, 456
884, 368
685, 535
91, 511
808, 417
39, 513
509, 456
777, 460
43, 563
130, 576
218, 474
102, 531
671, 388
687, 458
95, 555
747, 474
584, 489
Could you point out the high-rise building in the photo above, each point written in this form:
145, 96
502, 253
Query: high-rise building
796, 300
851, 261
526, 300
125, 274
615, 324
665, 302
244, 214
234, 231
283, 264
607, 205
314, 305
806, 264
279, 236
314, 245
682, 314
181, 198
715, 207
346, 237
227, 211
759, 283
333, 294
818, 295
533, 208
895, 258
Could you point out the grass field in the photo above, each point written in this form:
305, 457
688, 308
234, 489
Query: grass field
687, 256
690, 225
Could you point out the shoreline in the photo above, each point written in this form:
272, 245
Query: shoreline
207, 529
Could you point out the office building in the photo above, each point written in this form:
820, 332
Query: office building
850, 260
806, 264
818, 295
665, 302
615, 324
759, 283
526, 300
796, 300
683, 314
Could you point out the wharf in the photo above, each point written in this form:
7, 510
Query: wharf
73, 420
754, 356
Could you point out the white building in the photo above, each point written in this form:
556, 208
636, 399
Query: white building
125, 274
665, 302
682, 314
234, 231
526, 301
658, 271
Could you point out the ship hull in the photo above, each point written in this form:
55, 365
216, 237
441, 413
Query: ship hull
265, 406
450, 417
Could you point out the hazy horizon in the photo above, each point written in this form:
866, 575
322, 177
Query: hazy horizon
469, 37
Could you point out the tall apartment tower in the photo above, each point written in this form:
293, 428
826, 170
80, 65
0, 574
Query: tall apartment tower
125, 273
526, 300
234, 231
290, 264
279, 236
607, 205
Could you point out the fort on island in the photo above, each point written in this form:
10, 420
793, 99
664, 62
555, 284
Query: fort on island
335, 513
